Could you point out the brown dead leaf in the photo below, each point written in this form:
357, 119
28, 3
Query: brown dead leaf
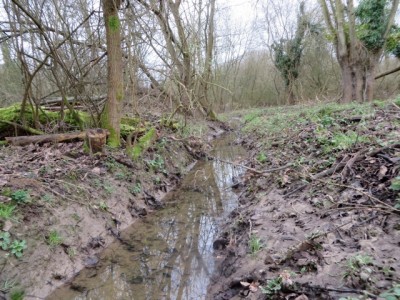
381, 187
7, 225
254, 287
96, 170
382, 172
285, 179
286, 278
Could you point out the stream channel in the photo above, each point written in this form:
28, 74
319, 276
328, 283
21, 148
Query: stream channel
169, 253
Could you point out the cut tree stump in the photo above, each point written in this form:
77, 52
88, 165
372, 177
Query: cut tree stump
96, 140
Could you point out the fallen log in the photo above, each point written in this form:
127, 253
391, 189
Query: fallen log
45, 138
95, 139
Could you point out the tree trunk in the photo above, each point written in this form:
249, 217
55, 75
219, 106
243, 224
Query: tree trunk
357, 61
111, 116
370, 75
347, 82
357, 83
291, 99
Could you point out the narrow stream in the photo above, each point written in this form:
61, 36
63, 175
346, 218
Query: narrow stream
169, 254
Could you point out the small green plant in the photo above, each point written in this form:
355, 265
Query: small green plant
162, 143
395, 186
121, 176
54, 239
47, 198
392, 294
5, 240
20, 196
103, 205
156, 164
326, 121
136, 189
17, 247
397, 204
356, 264
97, 183
262, 158
273, 286
255, 244
6, 211
157, 180
341, 141
7, 285
108, 188
112, 165
17, 295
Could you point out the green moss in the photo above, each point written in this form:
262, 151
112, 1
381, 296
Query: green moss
172, 124
126, 130
142, 145
114, 23
130, 121
120, 95
13, 113
114, 139
212, 116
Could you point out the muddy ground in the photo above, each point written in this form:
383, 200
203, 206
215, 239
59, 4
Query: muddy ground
60, 207
318, 215
319, 206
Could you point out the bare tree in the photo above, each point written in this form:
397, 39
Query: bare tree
111, 116
358, 56
186, 50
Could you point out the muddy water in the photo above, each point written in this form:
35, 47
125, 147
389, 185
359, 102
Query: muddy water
169, 254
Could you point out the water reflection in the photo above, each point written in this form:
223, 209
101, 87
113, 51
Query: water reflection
168, 255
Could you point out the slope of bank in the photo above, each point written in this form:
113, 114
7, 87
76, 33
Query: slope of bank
60, 207
319, 205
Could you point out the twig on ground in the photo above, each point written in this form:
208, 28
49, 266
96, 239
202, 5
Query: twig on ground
386, 206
